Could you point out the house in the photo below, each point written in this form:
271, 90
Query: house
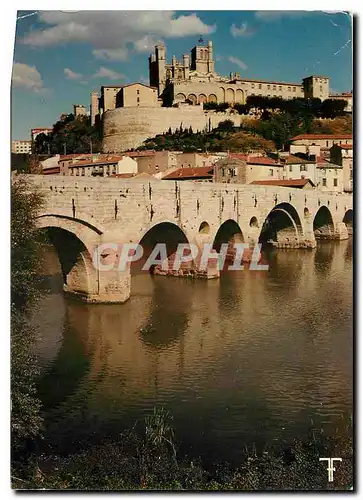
329, 176
343, 155
296, 167
243, 169
103, 166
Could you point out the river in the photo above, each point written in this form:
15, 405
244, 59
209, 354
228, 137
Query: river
257, 357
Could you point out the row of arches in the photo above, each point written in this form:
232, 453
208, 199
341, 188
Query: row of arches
226, 95
282, 223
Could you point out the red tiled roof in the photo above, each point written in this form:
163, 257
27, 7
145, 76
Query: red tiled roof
133, 154
346, 146
284, 182
100, 161
321, 159
74, 155
122, 176
343, 94
322, 136
262, 160
190, 173
51, 170
239, 156
295, 160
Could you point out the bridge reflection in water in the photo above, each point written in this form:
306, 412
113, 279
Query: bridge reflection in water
252, 357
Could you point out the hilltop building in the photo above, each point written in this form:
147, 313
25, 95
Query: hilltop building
79, 110
175, 97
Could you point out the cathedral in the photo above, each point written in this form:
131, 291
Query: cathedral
194, 80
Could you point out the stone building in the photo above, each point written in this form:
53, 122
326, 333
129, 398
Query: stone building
103, 166
79, 110
244, 169
343, 155
21, 147
195, 80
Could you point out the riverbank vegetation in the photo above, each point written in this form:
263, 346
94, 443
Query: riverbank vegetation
147, 456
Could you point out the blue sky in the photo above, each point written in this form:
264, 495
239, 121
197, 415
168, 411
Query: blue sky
61, 56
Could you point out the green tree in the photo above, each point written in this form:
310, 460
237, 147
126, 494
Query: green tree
25, 247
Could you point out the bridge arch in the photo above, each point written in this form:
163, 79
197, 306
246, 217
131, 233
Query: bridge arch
204, 228
348, 220
74, 250
323, 224
229, 232
282, 227
165, 232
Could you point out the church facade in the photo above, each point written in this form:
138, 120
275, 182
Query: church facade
194, 80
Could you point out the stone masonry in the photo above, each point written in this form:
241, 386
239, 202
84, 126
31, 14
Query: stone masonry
101, 211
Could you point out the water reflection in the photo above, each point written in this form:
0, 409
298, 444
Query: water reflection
251, 357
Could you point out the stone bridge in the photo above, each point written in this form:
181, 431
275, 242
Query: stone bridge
82, 213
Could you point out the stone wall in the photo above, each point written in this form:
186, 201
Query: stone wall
128, 128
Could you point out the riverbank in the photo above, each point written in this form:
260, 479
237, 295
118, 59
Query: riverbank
146, 458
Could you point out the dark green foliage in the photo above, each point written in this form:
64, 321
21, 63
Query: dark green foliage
331, 108
224, 137
70, 135
25, 204
25, 418
146, 459
226, 126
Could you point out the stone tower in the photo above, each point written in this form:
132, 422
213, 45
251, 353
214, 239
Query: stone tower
157, 72
202, 58
316, 86
94, 107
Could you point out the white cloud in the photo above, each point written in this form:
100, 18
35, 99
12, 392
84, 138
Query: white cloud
71, 75
238, 62
243, 30
27, 77
275, 15
110, 33
108, 73
146, 44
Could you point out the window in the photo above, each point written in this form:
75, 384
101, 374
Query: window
268, 87
280, 87
271, 172
138, 99
335, 182
327, 144
294, 89
324, 182
303, 168
274, 87
137, 92
290, 168
253, 85
260, 86
321, 88
289, 89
